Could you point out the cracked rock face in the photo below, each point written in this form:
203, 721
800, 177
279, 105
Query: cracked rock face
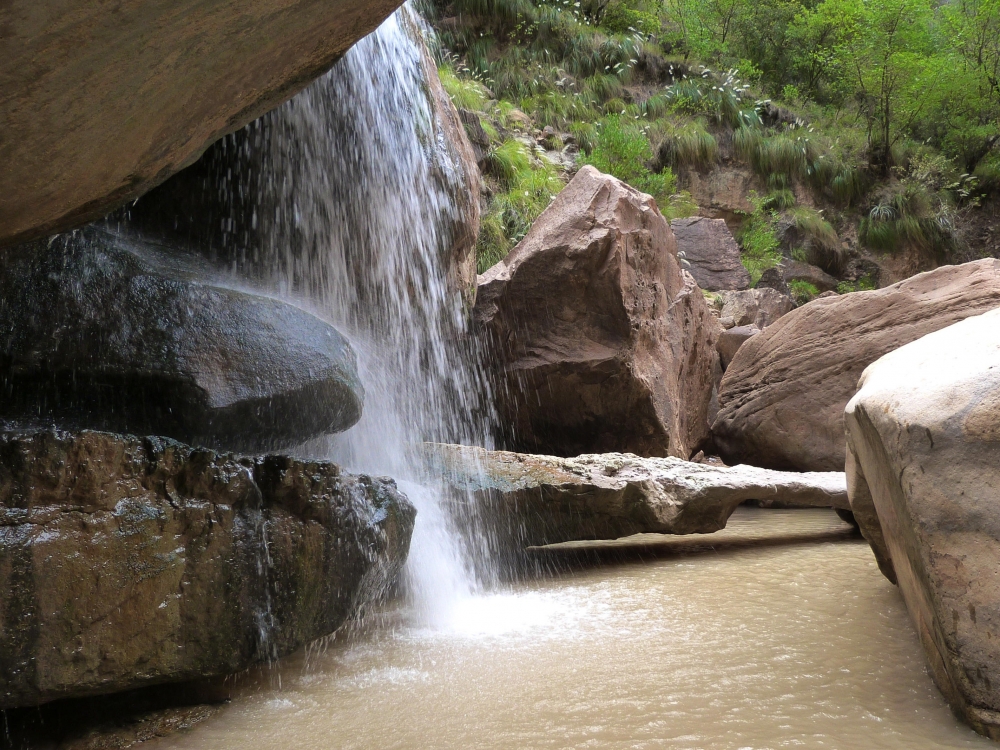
923, 438
602, 341
525, 500
131, 561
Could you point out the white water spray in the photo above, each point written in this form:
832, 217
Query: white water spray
347, 200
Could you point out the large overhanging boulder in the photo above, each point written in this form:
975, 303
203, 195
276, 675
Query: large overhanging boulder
924, 464
128, 561
102, 103
102, 332
523, 500
782, 399
367, 166
602, 342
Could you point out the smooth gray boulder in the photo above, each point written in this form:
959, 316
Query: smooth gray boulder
102, 332
129, 561
526, 500
712, 255
923, 439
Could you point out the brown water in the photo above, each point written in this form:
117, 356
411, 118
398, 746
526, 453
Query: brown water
767, 641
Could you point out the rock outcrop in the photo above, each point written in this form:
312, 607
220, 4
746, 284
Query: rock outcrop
102, 103
134, 561
525, 500
601, 341
782, 399
924, 454
730, 341
712, 255
759, 307
102, 332
793, 270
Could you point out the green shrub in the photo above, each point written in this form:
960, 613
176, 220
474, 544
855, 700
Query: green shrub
465, 93
620, 19
802, 291
526, 186
623, 150
585, 134
758, 239
864, 284
779, 200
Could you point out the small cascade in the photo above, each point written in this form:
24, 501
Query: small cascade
348, 200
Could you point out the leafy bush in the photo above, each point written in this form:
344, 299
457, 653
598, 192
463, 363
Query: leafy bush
623, 150
758, 239
526, 187
802, 291
620, 19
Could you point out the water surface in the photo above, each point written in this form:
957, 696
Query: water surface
789, 644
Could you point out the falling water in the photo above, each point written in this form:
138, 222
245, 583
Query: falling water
348, 200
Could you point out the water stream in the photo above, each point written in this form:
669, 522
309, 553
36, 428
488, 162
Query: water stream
785, 635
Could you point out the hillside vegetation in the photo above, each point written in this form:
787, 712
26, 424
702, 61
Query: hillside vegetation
887, 113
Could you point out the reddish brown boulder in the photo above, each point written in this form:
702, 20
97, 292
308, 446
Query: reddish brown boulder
782, 399
712, 255
602, 342
101, 101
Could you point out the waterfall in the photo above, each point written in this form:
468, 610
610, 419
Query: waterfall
344, 199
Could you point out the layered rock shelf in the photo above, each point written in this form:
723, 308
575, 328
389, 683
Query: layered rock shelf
530, 500
133, 561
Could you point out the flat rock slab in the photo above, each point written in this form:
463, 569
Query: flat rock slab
536, 500
782, 399
712, 255
923, 436
131, 561
103, 332
102, 102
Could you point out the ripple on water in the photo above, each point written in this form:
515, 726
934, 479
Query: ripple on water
783, 646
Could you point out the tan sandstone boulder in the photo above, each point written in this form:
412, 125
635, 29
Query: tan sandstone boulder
524, 500
601, 341
924, 458
782, 398
99, 103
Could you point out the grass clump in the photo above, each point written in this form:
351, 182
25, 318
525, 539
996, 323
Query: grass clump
802, 291
687, 145
526, 184
758, 239
623, 150
909, 217
864, 284
465, 93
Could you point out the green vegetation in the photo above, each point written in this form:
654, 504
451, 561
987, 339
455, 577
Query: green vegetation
526, 184
802, 291
758, 240
894, 122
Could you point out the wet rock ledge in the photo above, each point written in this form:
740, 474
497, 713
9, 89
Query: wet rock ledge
131, 561
529, 500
